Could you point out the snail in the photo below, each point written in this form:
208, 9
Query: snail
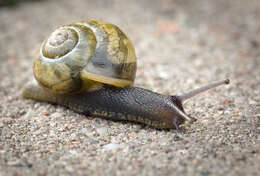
90, 67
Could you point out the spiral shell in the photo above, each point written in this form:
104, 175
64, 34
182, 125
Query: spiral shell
76, 56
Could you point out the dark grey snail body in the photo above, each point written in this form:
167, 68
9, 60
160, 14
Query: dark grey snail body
127, 103
94, 76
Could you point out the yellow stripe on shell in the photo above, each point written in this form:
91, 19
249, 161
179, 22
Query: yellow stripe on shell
106, 80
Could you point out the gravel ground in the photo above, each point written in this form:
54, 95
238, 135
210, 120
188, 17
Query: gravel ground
180, 45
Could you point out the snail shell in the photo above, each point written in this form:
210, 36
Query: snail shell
85, 55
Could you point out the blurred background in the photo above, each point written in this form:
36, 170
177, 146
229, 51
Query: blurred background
199, 40
180, 45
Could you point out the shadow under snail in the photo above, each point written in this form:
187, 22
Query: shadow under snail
90, 67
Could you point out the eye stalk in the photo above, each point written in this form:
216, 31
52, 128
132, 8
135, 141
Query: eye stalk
195, 92
179, 99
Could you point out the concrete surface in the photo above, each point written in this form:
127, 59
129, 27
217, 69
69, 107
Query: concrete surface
180, 45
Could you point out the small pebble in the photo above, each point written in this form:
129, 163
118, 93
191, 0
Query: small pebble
112, 147
102, 131
56, 115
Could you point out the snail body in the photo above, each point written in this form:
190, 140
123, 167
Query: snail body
90, 67
127, 103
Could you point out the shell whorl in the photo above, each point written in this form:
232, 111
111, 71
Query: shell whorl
59, 43
83, 53
61, 58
